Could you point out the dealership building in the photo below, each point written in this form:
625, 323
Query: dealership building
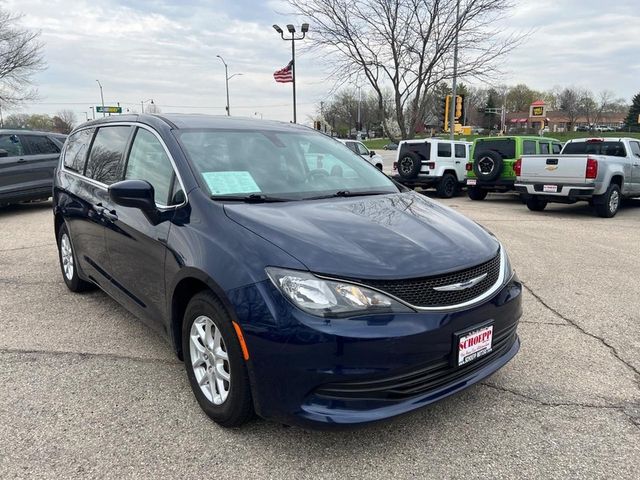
539, 117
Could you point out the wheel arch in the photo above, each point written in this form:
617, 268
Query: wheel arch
191, 282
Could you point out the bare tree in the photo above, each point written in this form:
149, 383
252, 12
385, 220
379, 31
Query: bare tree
20, 58
569, 101
64, 121
407, 45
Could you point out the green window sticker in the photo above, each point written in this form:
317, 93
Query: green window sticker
225, 183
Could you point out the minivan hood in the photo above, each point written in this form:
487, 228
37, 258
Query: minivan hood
402, 235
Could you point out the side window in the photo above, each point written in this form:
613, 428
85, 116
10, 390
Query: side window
352, 146
528, 147
635, 148
39, 145
75, 152
544, 147
12, 145
460, 150
444, 149
362, 150
148, 161
556, 148
107, 152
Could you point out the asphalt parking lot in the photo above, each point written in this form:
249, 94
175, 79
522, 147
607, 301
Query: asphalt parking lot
89, 391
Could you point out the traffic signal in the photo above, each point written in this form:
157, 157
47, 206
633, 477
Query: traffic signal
459, 113
445, 113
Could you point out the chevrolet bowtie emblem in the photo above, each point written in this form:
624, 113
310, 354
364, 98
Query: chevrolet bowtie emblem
551, 167
454, 287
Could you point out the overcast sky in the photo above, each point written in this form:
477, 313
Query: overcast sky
166, 50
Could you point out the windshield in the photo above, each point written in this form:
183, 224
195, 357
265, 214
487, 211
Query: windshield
287, 165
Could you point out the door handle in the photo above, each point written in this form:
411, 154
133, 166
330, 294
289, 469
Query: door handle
106, 213
22, 160
636, 164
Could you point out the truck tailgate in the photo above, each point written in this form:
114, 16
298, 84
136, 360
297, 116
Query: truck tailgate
553, 169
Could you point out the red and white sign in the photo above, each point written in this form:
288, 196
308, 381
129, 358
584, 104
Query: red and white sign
475, 344
550, 188
471, 181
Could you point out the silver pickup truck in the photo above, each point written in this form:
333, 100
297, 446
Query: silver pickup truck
601, 171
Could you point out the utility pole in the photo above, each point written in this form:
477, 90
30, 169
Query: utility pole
93, 112
324, 126
452, 111
359, 133
292, 30
101, 98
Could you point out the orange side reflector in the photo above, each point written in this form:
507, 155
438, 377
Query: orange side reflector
243, 344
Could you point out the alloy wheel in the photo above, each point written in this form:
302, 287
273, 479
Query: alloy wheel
210, 360
66, 255
614, 201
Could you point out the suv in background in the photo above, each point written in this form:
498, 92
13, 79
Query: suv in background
27, 162
432, 162
369, 155
492, 160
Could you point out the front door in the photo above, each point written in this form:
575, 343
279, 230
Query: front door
13, 164
42, 159
136, 246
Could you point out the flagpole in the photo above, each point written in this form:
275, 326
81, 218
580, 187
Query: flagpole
293, 71
292, 30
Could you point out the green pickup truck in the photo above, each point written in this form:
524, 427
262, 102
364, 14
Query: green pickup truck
492, 158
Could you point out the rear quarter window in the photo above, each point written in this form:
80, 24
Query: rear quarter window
505, 147
528, 147
461, 151
75, 152
444, 149
40, 145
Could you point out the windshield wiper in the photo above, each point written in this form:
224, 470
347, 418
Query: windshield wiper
347, 193
252, 198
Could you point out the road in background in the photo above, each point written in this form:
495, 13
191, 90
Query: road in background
88, 391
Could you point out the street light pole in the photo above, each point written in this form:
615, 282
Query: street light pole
142, 102
93, 112
454, 94
101, 98
292, 30
226, 79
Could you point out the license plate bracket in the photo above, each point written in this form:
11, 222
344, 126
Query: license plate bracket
550, 188
471, 181
472, 343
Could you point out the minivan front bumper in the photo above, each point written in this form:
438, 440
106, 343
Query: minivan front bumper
324, 373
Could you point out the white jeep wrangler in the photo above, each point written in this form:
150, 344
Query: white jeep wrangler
432, 162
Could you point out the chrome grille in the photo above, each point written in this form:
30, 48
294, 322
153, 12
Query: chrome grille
420, 292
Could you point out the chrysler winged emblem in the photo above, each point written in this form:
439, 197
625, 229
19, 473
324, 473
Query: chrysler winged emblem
454, 287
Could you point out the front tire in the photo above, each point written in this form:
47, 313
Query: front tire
447, 186
609, 203
476, 193
69, 263
536, 204
214, 362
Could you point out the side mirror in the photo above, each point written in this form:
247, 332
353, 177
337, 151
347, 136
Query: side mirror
3, 153
371, 153
135, 194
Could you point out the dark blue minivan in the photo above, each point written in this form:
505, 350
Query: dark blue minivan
294, 279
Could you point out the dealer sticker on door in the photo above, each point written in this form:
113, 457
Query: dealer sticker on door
475, 344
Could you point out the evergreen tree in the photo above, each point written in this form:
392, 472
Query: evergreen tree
491, 120
632, 118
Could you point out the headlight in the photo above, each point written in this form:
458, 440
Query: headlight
330, 298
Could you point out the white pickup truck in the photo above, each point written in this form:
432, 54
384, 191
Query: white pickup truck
601, 171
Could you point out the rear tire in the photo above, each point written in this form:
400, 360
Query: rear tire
69, 263
447, 186
609, 203
536, 204
476, 193
210, 358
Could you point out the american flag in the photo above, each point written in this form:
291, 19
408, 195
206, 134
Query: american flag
284, 75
